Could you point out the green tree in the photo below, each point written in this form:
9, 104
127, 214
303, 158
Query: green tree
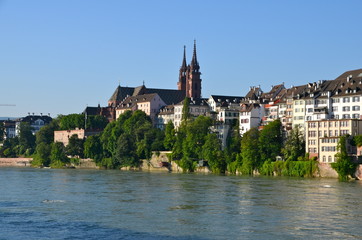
111, 133
26, 139
357, 140
71, 121
177, 149
271, 141
294, 146
58, 157
211, 152
170, 136
9, 148
93, 148
96, 122
2, 131
190, 138
196, 133
186, 109
46, 133
75, 146
233, 144
42, 154
250, 151
125, 155
344, 167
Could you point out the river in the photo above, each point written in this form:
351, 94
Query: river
109, 204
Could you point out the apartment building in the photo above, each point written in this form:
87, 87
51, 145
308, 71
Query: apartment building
322, 137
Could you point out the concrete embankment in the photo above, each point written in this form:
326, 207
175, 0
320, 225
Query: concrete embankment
15, 162
86, 163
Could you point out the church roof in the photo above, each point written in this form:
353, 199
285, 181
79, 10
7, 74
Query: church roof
91, 111
169, 96
121, 93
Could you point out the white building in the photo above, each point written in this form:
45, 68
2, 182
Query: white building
197, 107
251, 115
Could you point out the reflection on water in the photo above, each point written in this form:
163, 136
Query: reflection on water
95, 204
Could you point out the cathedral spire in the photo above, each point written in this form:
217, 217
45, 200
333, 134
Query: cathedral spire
184, 64
181, 85
194, 63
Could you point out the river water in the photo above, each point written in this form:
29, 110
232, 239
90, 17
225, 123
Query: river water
105, 204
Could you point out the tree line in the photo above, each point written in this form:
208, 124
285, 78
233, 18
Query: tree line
132, 137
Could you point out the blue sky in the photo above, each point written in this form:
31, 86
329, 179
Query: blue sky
58, 57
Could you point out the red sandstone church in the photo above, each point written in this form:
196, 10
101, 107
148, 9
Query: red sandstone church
150, 100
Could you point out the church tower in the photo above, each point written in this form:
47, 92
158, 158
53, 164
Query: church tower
193, 77
181, 85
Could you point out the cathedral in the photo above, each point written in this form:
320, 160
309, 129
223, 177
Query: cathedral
133, 98
189, 78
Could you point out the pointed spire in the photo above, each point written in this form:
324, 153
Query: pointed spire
184, 64
194, 63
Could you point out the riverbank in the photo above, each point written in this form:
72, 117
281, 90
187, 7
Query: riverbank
160, 163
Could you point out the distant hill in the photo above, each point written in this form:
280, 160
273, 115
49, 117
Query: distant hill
6, 118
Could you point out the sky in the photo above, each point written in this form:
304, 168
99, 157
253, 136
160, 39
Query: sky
58, 57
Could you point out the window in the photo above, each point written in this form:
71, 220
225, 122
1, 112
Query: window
330, 159
346, 99
310, 110
345, 109
321, 101
355, 99
355, 116
335, 109
355, 108
344, 132
312, 133
324, 158
335, 100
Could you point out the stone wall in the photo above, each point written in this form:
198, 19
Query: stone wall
15, 162
358, 173
158, 162
326, 171
86, 163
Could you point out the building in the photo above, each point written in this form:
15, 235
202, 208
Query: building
190, 76
251, 115
9, 128
35, 121
197, 107
322, 136
166, 115
189, 85
148, 103
64, 135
